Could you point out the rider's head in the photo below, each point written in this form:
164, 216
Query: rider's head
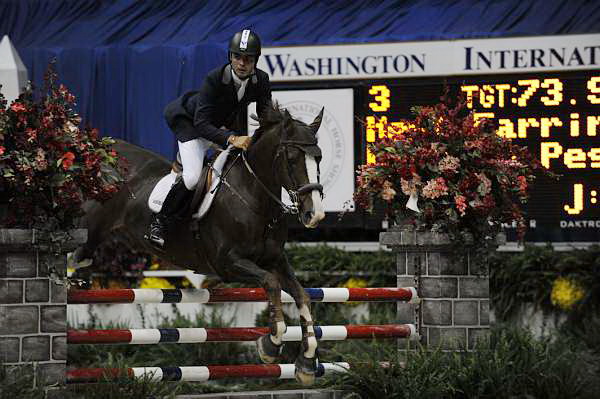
244, 50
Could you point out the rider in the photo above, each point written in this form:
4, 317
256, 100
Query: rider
216, 113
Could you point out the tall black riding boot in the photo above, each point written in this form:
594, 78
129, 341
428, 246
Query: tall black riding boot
176, 204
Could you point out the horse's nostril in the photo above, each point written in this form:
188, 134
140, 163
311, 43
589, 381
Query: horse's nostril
308, 215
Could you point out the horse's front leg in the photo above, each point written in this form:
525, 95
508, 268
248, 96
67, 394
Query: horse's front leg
242, 270
306, 361
269, 346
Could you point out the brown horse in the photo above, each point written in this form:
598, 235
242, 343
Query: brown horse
241, 238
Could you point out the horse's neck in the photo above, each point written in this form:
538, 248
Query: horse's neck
261, 156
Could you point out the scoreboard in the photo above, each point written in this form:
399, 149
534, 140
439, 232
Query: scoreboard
556, 115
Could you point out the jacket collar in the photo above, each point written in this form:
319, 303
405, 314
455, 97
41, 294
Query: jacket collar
226, 76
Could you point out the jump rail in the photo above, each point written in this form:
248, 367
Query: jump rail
235, 334
198, 373
216, 295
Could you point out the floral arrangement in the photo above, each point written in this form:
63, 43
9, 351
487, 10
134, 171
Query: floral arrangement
49, 165
566, 293
450, 173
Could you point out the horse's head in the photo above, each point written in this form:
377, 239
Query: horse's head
300, 157
295, 160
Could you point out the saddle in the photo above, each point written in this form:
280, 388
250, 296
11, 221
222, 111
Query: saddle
205, 178
214, 161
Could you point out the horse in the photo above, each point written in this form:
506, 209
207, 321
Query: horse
241, 238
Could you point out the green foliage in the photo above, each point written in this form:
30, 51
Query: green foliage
325, 266
527, 277
515, 365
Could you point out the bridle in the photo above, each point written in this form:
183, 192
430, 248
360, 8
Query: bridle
282, 148
294, 208
294, 194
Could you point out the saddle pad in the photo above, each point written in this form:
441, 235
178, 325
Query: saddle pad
160, 191
217, 169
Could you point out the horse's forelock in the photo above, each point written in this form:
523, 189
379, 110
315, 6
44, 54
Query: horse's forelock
277, 119
273, 118
271, 115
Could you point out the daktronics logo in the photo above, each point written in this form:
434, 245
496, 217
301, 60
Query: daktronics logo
288, 66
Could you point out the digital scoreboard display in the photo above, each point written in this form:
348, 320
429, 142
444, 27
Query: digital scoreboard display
556, 115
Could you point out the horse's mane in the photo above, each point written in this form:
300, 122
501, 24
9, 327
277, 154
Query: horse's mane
272, 116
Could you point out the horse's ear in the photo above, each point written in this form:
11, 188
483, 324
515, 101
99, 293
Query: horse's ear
314, 126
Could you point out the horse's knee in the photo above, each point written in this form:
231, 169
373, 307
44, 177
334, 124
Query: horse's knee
270, 282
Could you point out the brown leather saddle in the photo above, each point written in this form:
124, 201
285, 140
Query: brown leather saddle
205, 178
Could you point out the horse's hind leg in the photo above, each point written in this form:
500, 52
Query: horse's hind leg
269, 346
306, 362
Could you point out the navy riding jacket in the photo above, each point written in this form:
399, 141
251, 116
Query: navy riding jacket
202, 113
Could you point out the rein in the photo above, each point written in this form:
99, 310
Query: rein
293, 209
294, 195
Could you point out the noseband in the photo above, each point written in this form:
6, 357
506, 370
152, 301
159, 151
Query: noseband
304, 188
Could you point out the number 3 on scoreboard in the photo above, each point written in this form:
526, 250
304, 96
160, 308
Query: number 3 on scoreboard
382, 98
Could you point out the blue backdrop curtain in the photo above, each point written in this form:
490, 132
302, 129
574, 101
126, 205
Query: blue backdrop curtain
126, 59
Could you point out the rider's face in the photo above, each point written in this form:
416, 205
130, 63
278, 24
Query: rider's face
243, 65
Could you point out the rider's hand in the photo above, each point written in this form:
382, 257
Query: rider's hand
242, 142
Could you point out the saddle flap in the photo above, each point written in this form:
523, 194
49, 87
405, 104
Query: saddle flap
202, 187
205, 190
212, 184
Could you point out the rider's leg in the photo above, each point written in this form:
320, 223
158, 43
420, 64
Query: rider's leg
177, 201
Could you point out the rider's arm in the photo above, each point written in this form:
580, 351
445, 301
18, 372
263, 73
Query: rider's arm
205, 107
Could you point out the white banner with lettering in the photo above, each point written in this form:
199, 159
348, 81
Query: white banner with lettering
336, 138
433, 58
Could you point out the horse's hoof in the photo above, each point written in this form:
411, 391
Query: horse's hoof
305, 370
269, 352
304, 378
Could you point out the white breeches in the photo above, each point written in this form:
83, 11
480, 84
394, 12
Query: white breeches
192, 157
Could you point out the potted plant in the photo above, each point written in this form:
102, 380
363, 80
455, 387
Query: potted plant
449, 173
49, 166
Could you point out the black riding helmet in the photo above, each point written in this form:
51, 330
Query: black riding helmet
245, 42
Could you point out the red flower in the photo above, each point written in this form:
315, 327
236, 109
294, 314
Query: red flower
522, 184
91, 160
18, 107
461, 204
67, 160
